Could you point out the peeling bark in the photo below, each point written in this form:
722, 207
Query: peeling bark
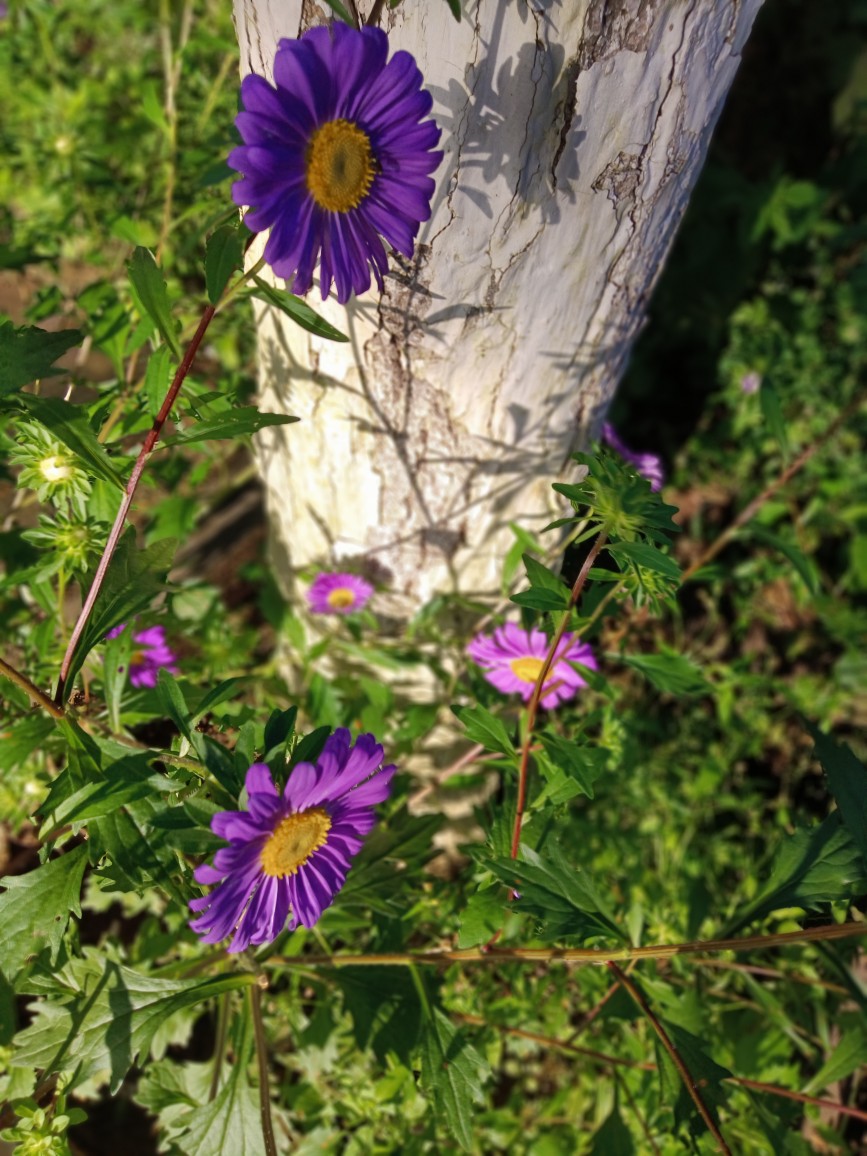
574, 131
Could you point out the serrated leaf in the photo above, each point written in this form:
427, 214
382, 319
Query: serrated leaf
224, 254
541, 577
230, 1123
29, 353
819, 865
669, 671
152, 295
297, 309
133, 579
106, 1017
553, 890
847, 778
486, 729
541, 599
234, 423
22, 737
123, 782
706, 1074
35, 909
451, 1069
140, 854
582, 764
69, 425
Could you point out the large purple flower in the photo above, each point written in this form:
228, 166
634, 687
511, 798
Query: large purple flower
150, 655
337, 154
513, 658
648, 465
289, 854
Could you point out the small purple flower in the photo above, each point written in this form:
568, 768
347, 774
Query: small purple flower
336, 155
152, 654
289, 855
513, 658
338, 594
648, 465
751, 382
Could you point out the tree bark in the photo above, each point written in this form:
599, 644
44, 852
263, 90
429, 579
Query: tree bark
573, 132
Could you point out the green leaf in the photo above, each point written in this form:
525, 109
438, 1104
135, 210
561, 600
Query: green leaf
35, 909
455, 7
706, 1074
541, 577
234, 423
123, 782
173, 702
133, 579
646, 557
820, 865
385, 1008
581, 763
69, 425
772, 412
152, 296
553, 890
22, 737
613, 1138
341, 12
451, 1070
848, 1056
847, 778
298, 310
158, 377
482, 917
106, 1017
224, 254
799, 560
28, 354
539, 598
484, 728
669, 671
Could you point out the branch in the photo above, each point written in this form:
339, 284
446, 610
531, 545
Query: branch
33, 691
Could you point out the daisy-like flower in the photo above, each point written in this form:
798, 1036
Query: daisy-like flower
648, 465
338, 593
289, 854
513, 657
335, 156
151, 655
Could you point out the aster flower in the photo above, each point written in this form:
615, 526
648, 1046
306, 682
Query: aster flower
289, 854
513, 657
151, 655
335, 156
648, 465
338, 594
751, 382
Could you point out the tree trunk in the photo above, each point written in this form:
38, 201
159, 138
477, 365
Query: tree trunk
573, 134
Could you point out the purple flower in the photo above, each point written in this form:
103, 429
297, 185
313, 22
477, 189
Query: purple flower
152, 654
289, 855
512, 659
336, 154
338, 594
750, 382
648, 465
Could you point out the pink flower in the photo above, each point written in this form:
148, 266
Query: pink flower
151, 654
338, 594
648, 465
513, 658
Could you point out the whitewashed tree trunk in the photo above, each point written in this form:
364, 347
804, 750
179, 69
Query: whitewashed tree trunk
573, 131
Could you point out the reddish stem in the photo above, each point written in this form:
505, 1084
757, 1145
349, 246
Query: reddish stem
535, 697
131, 486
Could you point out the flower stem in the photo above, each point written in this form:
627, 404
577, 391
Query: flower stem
581, 956
677, 1059
262, 1061
131, 486
33, 691
535, 697
219, 1043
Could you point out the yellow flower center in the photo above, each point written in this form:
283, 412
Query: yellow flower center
527, 669
341, 597
340, 166
294, 840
